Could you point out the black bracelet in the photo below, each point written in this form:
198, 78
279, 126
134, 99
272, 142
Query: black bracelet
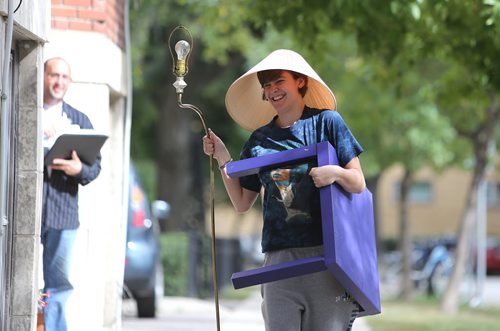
225, 164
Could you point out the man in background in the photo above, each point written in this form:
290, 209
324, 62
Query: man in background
61, 181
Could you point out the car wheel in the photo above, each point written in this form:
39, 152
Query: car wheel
148, 305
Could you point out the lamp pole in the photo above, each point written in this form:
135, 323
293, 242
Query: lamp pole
180, 69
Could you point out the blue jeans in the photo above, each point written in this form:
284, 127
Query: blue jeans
57, 251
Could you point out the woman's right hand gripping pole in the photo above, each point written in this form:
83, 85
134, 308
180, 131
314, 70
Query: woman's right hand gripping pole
241, 198
213, 145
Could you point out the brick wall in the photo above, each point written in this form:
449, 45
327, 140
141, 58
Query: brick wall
104, 16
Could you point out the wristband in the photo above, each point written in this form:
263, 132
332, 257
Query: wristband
225, 164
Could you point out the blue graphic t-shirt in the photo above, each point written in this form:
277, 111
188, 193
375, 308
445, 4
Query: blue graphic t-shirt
291, 204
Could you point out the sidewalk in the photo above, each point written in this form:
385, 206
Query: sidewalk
247, 316
190, 314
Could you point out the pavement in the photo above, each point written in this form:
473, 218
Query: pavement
191, 314
491, 292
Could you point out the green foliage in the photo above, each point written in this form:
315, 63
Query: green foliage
408, 75
460, 99
224, 27
151, 24
176, 258
467, 31
174, 253
379, 76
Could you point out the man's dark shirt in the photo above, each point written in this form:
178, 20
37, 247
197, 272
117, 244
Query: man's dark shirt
60, 192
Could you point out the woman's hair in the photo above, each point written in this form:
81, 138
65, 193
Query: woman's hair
266, 76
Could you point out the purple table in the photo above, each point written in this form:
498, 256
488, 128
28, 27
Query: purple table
348, 232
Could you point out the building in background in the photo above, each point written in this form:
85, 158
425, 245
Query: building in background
436, 202
92, 36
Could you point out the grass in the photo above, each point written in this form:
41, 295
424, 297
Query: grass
424, 314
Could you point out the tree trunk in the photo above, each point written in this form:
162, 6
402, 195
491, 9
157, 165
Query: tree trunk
481, 142
174, 176
405, 237
450, 301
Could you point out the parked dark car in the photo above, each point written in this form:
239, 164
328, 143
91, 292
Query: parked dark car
143, 277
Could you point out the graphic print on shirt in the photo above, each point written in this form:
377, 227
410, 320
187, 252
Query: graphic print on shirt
287, 180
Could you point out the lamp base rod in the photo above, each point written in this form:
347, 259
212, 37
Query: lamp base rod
212, 209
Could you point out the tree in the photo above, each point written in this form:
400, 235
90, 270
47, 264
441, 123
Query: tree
371, 71
441, 43
464, 37
467, 36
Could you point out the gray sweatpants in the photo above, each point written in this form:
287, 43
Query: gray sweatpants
313, 302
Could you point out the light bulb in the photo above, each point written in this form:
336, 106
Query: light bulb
182, 49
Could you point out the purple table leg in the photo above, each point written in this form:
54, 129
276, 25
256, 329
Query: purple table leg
278, 271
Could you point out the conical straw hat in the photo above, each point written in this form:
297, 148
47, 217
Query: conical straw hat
244, 97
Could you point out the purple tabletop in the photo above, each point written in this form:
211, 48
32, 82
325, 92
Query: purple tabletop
348, 232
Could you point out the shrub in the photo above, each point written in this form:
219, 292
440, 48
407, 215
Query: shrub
174, 252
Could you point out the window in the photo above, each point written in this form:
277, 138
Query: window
420, 192
493, 193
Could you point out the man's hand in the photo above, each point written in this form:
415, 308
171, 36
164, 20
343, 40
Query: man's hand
70, 167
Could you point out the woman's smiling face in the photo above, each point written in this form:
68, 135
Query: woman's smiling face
283, 91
